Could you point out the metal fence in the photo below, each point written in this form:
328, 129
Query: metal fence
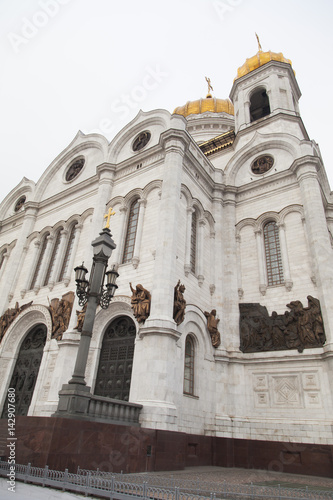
145, 486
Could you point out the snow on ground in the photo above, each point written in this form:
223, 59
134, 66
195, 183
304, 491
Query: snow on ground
29, 491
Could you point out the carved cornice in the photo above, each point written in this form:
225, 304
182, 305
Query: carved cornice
158, 330
150, 158
279, 181
264, 71
305, 161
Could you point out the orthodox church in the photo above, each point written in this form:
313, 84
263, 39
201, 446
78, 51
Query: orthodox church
221, 327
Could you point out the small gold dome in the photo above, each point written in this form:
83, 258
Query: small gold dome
200, 106
258, 60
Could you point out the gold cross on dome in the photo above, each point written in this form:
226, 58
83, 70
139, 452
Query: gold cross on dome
107, 217
259, 45
209, 85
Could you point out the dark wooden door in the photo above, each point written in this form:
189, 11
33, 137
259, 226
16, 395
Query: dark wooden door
26, 370
116, 359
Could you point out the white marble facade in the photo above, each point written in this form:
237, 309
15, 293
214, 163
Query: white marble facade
276, 395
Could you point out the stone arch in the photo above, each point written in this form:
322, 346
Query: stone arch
261, 143
266, 217
80, 143
157, 184
187, 195
155, 119
195, 323
25, 187
289, 209
12, 342
195, 326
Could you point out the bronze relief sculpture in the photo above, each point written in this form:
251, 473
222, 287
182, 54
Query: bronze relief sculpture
179, 303
140, 302
8, 317
60, 311
80, 318
212, 323
299, 328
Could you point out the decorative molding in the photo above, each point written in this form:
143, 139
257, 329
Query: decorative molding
286, 390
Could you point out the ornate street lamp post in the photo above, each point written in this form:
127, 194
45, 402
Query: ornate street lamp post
74, 396
93, 293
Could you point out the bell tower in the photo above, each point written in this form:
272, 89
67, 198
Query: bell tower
264, 86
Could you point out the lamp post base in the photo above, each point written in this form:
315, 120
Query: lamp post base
73, 401
77, 402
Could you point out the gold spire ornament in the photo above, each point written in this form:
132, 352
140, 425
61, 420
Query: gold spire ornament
259, 46
107, 217
209, 87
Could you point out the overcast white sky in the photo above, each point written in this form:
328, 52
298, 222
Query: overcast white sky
92, 64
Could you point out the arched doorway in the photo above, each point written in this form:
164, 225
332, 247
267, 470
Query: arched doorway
26, 369
116, 360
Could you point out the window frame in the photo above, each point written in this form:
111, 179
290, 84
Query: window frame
273, 254
189, 367
131, 231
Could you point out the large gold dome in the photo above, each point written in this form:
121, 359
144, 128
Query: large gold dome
258, 60
209, 103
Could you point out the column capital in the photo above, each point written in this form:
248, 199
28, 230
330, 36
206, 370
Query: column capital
174, 140
142, 202
106, 171
307, 166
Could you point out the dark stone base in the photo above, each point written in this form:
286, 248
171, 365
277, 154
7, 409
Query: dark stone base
66, 443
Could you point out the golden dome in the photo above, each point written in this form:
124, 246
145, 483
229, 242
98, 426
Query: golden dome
258, 60
200, 106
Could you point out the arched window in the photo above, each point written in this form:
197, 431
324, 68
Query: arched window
273, 254
53, 257
131, 232
193, 251
26, 369
259, 105
189, 366
39, 261
68, 253
116, 360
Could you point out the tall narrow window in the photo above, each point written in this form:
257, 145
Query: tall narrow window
189, 366
68, 254
259, 106
131, 232
193, 242
53, 257
273, 254
39, 261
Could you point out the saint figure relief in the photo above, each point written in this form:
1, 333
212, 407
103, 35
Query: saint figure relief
60, 311
179, 303
212, 323
140, 302
8, 317
80, 318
